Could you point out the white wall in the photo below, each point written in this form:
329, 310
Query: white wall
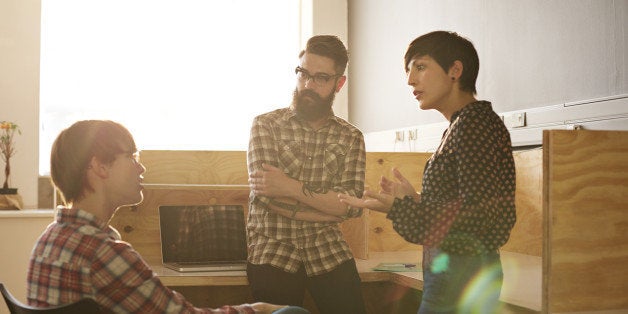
19, 90
330, 17
18, 233
533, 53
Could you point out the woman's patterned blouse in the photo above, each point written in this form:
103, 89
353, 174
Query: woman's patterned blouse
467, 203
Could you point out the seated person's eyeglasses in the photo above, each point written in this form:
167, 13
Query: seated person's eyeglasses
134, 156
320, 78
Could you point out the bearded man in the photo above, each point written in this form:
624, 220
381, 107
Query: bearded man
299, 159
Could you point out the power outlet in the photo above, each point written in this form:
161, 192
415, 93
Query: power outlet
515, 120
412, 135
399, 136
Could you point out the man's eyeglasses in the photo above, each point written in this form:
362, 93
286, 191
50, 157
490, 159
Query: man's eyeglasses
319, 79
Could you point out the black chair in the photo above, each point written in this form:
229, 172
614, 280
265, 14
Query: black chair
83, 306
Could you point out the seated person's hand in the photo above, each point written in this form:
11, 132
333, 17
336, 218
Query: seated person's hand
266, 308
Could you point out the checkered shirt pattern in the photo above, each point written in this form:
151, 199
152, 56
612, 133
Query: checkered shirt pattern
331, 158
467, 203
79, 257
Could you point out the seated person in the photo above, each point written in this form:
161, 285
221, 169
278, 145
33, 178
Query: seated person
95, 166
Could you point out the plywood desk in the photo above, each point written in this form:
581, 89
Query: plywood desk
365, 268
522, 276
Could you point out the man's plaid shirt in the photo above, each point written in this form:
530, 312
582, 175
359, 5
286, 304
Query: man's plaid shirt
332, 158
79, 256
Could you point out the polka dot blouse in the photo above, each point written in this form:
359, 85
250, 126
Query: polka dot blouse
467, 203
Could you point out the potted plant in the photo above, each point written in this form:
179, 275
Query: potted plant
7, 148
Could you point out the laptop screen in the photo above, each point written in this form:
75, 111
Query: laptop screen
203, 233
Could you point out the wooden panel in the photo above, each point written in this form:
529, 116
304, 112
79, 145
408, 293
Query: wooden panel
194, 167
380, 297
355, 232
384, 292
390, 298
215, 296
585, 267
381, 236
526, 236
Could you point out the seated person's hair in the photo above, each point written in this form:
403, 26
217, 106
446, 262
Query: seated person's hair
74, 148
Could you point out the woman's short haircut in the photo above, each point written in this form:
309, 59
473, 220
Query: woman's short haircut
74, 148
445, 48
328, 46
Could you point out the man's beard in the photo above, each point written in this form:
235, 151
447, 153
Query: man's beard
310, 106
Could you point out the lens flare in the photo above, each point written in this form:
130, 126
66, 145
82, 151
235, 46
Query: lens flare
482, 293
440, 263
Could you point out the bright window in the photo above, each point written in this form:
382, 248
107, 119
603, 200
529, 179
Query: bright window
180, 74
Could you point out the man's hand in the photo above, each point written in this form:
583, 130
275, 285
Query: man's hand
271, 181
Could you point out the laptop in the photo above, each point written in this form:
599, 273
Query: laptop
203, 237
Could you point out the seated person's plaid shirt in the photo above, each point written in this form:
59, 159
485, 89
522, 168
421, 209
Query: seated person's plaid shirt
332, 158
79, 256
